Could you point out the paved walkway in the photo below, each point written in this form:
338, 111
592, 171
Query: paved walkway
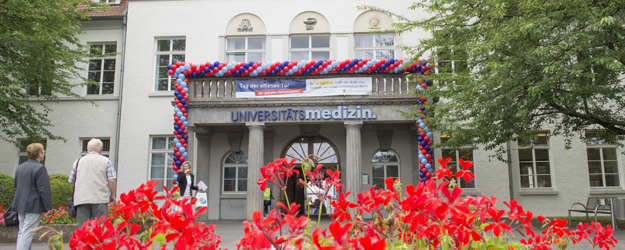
232, 231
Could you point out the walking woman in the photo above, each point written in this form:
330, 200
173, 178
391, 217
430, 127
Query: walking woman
186, 180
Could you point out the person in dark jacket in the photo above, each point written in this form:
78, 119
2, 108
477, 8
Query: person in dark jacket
32, 194
186, 180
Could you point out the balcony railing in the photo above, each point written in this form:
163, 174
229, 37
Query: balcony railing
221, 89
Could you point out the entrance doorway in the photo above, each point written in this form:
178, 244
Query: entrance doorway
300, 148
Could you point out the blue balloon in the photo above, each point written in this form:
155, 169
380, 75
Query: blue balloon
169, 67
429, 134
179, 114
183, 118
429, 166
423, 143
185, 123
175, 158
176, 127
186, 90
183, 101
175, 177
182, 150
421, 174
183, 84
424, 179
187, 66
185, 154
185, 137
178, 163
181, 76
176, 140
180, 131
178, 145
422, 125
421, 156
424, 161
179, 81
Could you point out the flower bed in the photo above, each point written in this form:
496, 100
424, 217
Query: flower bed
430, 215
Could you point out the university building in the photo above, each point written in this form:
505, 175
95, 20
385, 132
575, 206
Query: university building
231, 135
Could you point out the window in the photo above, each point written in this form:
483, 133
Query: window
310, 48
450, 59
109, 1
235, 173
23, 156
375, 46
602, 162
106, 146
534, 162
161, 158
168, 51
102, 69
245, 49
385, 164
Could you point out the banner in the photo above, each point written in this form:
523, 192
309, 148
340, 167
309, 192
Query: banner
303, 88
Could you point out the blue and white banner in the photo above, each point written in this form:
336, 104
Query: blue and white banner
303, 88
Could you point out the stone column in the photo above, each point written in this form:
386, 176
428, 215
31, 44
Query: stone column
202, 167
414, 149
353, 161
255, 160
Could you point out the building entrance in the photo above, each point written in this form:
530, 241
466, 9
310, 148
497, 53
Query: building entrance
300, 148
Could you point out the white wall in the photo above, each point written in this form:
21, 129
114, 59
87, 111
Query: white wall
74, 119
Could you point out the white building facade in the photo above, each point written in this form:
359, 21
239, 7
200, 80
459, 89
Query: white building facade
227, 153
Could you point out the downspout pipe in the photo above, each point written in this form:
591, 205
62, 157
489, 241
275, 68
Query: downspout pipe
121, 93
510, 181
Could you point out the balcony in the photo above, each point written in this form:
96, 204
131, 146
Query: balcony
387, 89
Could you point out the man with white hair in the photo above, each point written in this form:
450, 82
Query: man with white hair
92, 174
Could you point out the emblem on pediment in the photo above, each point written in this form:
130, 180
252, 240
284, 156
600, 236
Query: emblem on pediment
245, 26
310, 23
374, 22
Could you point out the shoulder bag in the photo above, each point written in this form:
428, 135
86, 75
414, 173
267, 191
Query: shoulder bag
11, 219
71, 208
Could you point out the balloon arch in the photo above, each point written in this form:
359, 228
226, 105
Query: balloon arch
182, 71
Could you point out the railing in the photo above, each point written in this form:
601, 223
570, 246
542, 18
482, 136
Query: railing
224, 88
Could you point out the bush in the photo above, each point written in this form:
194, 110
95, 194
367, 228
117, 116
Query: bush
7, 190
61, 190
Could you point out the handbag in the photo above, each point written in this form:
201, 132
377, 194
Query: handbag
11, 218
201, 200
71, 208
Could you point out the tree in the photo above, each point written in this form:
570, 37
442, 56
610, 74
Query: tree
39, 53
532, 65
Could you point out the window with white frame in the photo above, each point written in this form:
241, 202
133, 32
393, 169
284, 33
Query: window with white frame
374, 46
106, 146
109, 1
454, 164
450, 60
168, 51
161, 158
23, 156
310, 48
384, 164
235, 173
602, 162
102, 68
245, 49
534, 162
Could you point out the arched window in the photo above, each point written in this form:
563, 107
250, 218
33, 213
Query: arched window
368, 45
310, 37
303, 146
384, 164
235, 173
245, 39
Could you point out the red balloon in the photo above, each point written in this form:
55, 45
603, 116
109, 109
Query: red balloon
180, 105
185, 132
428, 157
181, 158
175, 149
183, 110
176, 168
421, 165
424, 170
179, 122
424, 152
175, 132
173, 163
422, 134
186, 97
170, 72
178, 136
184, 145
182, 141
429, 143
173, 182
178, 154
426, 138
428, 175
183, 92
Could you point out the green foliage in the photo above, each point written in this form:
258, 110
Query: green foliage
522, 64
39, 52
61, 190
7, 190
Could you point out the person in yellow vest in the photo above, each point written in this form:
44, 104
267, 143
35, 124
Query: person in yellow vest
268, 197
